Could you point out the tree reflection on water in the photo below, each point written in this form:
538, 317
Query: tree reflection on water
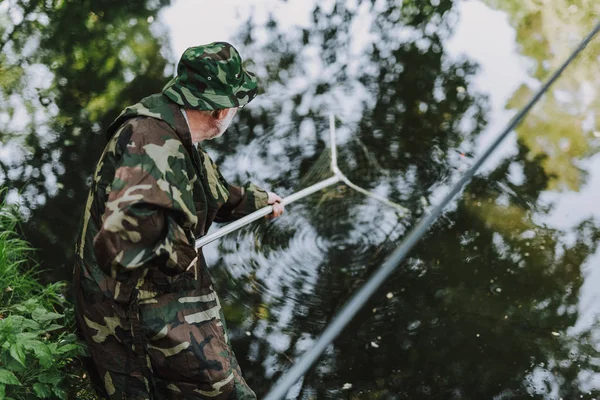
68, 68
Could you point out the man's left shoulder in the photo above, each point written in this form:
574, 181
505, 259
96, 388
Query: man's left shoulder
151, 144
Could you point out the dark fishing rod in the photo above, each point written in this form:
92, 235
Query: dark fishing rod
349, 310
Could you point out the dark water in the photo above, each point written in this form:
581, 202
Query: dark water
498, 301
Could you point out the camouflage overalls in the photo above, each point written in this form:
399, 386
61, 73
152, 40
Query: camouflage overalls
145, 302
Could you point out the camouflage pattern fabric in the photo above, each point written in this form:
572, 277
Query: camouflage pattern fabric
211, 77
144, 298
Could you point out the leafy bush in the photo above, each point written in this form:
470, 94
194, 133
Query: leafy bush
38, 349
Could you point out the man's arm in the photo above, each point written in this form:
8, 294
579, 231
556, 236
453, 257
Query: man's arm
247, 199
149, 212
244, 200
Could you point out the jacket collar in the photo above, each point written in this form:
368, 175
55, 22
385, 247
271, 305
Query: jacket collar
155, 106
160, 107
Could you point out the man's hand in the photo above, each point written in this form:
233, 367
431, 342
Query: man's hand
278, 208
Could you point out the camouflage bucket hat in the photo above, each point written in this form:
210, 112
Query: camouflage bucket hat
211, 77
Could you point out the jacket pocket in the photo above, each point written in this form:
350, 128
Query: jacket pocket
186, 338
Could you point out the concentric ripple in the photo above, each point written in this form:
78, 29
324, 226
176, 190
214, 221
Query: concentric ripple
324, 244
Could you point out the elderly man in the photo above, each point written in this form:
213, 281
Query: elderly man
145, 302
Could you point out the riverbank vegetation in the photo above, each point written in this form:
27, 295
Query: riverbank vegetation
38, 347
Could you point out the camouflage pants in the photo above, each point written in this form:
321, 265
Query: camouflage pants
183, 351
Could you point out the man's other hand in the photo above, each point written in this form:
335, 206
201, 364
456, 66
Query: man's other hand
277, 204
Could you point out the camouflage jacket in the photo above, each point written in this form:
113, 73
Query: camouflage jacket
144, 299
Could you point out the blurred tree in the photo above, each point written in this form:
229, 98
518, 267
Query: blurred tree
68, 68
565, 124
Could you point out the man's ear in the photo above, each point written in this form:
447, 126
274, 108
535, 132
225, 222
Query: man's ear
221, 113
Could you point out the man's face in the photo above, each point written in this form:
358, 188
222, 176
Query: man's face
223, 124
204, 126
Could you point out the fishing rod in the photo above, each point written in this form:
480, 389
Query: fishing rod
337, 177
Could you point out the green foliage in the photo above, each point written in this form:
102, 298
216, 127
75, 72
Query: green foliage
35, 352
38, 349
15, 282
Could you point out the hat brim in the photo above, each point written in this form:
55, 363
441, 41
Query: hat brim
196, 99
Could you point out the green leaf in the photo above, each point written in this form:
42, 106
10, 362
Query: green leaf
67, 348
31, 303
25, 336
41, 351
53, 377
18, 352
53, 346
14, 365
31, 325
42, 390
70, 337
27, 306
8, 378
20, 308
15, 320
41, 315
62, 394
2, 391
53, 327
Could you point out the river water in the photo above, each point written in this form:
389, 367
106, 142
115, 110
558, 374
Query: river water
500, 299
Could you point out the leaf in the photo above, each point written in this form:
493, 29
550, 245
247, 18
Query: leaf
20, 308
42, 390
27, 306
41, 315
70, 337
14, 366
15, 320
8, 378
41, 351
53, 327
25, 336
2, 391
18, 352
53, 377
53, 346
67, 348
29, 324
62, 394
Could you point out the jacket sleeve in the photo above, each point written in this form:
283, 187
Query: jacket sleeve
149, 212
241, 200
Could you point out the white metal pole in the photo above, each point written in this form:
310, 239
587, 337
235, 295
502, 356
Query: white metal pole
402, 210
333, 145
203, 241
337, 177
334, 167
